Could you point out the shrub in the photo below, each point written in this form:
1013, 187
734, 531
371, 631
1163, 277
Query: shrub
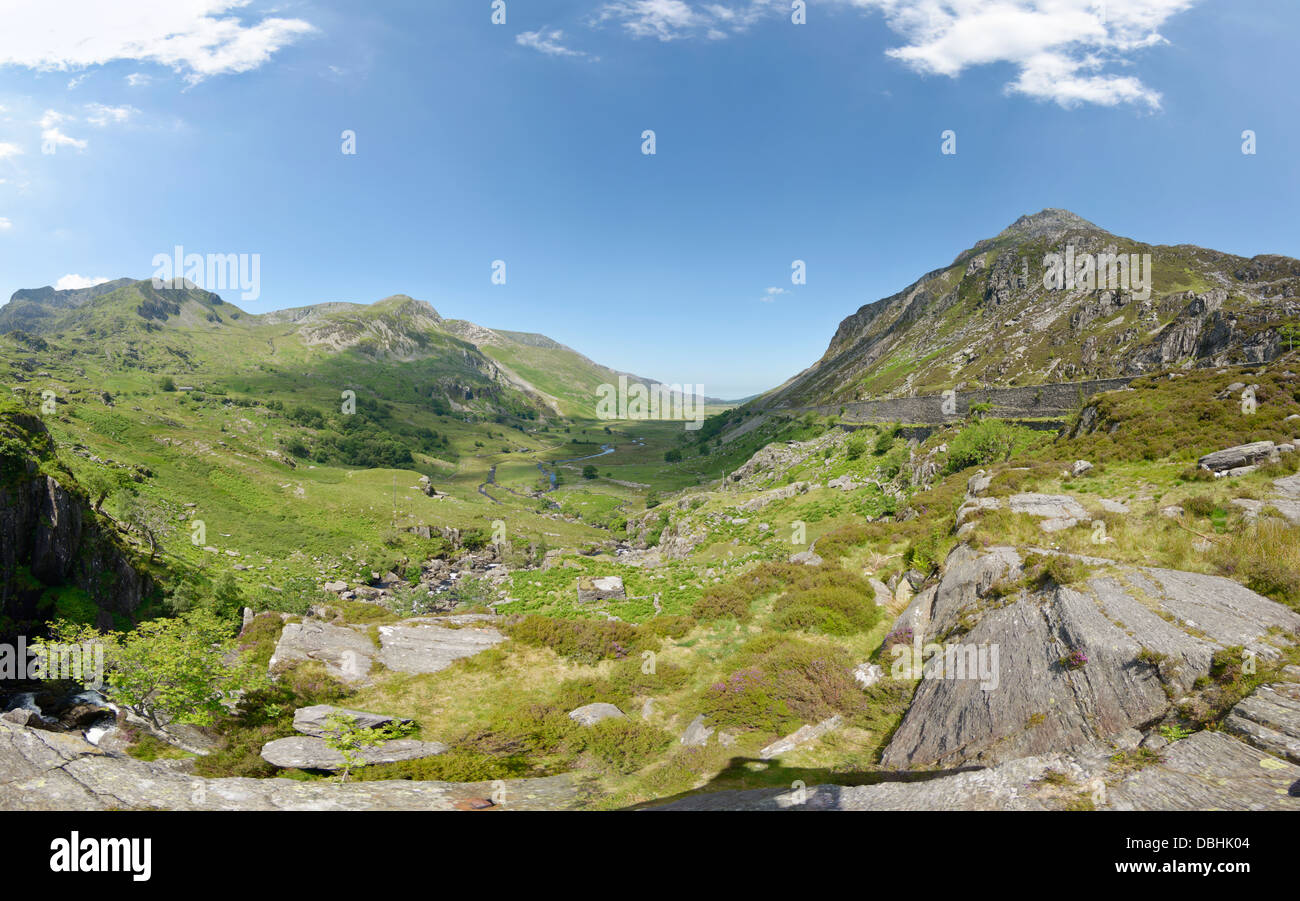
623, 746
984, 442
726, 601
585, 641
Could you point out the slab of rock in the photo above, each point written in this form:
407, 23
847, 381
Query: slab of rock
801, 736
1080, 467
315, 720
807, 558
1269, 719
307, 752
1111, 506
883, 595
1210, 771
1037, 706
346, 653
423, 646
52, 771
591, 714
1048, 506
1237, 457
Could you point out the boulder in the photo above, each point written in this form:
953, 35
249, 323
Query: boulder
307, 752
696, 734
1080, 467
603, 588
807, 558
423, 646
346, 653
1237, 457
591, 714
868, 674
802, 736
315, 720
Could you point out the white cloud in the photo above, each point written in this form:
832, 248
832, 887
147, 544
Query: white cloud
772, 294
547, 41
77, 282
670, 20
52, 137
9, 150
138, 79
5, 224
199, 38
101, 115
1060, 47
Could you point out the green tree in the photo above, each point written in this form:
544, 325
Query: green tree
168, 670
589, 472
350, 740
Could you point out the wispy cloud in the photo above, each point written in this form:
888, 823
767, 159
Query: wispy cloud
5, 224
53, 137
138, 79
199, 38
101, 115
549, 41
8, 150
670, 20
1060, 47
771, 294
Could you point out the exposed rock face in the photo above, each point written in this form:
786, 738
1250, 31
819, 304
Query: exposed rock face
1269, 719
1208, 771
49, 529
50, 771
307, 752
591, 714
1039, 704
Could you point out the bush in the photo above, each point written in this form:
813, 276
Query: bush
984, 442
727, 601
585, 641
623, 746
783, 683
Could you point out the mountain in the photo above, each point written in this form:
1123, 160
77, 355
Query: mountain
185, 331
989, 318
30, 309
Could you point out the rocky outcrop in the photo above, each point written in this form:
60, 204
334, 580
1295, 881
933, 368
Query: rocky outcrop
1004, 679
307, 752
51, 771
420, 645
1237, 457
346, 653
47, 528
1208, 771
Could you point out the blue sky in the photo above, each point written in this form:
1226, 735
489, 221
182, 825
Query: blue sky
217, 125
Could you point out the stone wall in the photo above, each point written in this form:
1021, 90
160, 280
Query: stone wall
1029, 401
